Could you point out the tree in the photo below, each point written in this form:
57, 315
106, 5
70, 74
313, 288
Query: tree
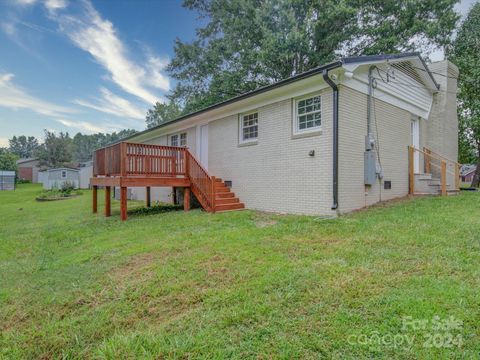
22, 146
250, 43
162, 113
8, 160
85, 145
465, 55
56, 149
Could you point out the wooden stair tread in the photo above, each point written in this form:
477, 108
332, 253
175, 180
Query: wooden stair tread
225, 207
224, 195
229, 200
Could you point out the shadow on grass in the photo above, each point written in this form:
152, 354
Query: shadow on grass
155, 209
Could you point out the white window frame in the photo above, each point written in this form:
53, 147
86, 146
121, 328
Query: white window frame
63, 174
181, 139
241, 140
296, 123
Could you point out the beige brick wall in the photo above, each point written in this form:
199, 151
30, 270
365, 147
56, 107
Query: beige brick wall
393, 139
276, 174
443, 121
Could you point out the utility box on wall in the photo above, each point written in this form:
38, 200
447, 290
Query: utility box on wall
370, 167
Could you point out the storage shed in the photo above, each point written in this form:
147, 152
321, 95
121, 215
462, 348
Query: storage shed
56, 178
7, 180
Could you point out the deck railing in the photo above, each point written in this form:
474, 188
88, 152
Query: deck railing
132, 159
144, 160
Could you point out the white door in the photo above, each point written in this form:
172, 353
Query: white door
415, 130
203, 149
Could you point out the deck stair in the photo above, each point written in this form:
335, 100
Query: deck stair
225, 199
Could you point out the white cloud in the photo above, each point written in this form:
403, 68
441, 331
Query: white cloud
8, 28
25, 2
14, 97
4, 142
53, 5
97, 36
113, 104
87, 127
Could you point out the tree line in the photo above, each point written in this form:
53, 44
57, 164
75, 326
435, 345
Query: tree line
57, 149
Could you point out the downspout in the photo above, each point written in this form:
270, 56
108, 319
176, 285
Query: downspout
335, 136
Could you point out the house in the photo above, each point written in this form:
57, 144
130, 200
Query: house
7, 180
57, 177
337, 138
467, 173
28, 169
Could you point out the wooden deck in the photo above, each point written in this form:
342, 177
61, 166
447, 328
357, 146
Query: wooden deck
127, 165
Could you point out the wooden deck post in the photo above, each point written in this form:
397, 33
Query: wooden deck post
123, 203
411, 174
148, 198
94, 198
186, 199
444, 178
108, 206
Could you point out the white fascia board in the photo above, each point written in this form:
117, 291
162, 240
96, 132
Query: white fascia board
362, 86
296, 89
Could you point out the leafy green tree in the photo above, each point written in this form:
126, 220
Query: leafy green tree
162, 113
8, 160
466, 55
56, 149
249, 43
23, 146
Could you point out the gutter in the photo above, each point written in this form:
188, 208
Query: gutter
247, 95
335, 134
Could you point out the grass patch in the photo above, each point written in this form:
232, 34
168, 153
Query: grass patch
234, 285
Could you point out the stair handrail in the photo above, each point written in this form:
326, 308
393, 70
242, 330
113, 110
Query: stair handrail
443, 172
202, 193
456, 164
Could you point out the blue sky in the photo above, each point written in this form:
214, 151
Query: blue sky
89, 66
85, 66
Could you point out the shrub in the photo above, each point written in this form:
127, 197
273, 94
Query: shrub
67, 188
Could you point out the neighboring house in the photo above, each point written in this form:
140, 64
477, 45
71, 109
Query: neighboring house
7, 180
467, 172
85, 174
328, 141
28, 169
56, 178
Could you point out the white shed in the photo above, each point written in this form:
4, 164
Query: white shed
56, 178
7, 180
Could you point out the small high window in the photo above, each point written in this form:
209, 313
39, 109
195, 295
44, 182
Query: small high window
64, 174
178, 139
308, 114
249, 127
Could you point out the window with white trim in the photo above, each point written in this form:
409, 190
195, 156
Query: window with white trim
249, 127
178, 139
64, 174
308, 114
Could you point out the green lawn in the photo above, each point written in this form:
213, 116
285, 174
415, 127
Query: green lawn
239, 284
